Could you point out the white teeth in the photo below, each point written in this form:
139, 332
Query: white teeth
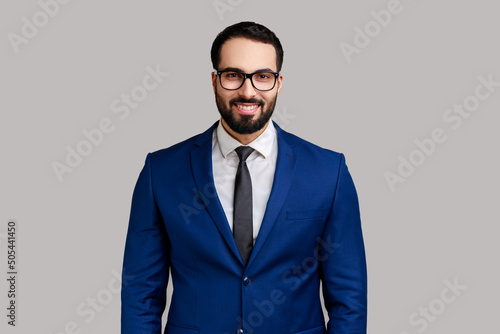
247, 107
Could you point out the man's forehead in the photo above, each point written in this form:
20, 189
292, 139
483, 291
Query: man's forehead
247, 55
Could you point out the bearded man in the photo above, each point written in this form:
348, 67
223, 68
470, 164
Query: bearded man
249, 219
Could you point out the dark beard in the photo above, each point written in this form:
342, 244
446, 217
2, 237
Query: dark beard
245, 125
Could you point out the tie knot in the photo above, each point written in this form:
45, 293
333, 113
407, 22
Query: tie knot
243, 152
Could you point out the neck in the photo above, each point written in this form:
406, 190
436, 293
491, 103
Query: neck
244, 139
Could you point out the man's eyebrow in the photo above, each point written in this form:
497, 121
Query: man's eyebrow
235, 69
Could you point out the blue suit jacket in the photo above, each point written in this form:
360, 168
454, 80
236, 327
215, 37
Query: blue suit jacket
311, 232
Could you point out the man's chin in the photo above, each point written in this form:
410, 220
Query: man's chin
246, 125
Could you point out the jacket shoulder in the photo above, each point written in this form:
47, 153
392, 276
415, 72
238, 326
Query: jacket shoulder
308, 149
176, 149
181, 150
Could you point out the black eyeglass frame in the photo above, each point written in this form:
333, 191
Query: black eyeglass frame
249, 76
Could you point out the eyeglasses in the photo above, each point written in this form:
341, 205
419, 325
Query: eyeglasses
232, 80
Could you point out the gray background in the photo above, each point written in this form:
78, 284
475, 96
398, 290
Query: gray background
440, 224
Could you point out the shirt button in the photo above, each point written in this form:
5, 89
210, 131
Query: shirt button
246, 281
240, 331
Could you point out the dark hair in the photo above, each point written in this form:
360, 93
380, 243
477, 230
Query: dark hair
251, 30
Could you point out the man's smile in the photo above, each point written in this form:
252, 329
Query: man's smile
247, 108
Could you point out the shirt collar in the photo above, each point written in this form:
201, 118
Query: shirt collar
262, 144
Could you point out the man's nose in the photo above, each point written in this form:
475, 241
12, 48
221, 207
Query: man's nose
247, 90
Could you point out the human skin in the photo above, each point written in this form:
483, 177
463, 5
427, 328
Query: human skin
248, 56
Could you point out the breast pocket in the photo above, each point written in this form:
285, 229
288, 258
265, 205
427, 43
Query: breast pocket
175, 329
306, 215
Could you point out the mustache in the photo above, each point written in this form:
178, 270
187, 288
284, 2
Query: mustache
240, 100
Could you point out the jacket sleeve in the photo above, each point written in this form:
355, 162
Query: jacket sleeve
146, 262
343, 267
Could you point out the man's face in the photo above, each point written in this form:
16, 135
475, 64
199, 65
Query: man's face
246, 110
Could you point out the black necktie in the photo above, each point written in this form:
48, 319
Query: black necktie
242, 215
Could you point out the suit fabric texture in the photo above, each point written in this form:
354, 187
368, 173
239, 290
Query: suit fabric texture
310, 233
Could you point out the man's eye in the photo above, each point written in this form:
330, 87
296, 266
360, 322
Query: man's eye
232, 75
263, 76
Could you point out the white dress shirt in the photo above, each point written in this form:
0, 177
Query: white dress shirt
261, 165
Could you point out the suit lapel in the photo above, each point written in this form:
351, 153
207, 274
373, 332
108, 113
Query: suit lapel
285, 169
201, 167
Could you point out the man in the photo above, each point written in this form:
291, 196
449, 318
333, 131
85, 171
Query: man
248, 218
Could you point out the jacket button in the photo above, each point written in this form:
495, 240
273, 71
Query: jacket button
246, 281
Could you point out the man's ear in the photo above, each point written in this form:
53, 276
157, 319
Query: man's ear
280, 83
214, 80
